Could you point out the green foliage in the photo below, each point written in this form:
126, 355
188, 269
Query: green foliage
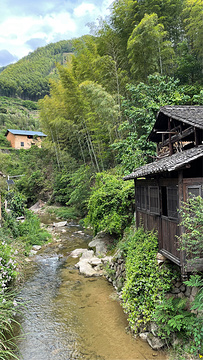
140, 109
79, 189
8, 308
149, 52
37, 167
29, 77
10, 225
196, 281
8, 263
110, 206
174, 319
18, 114
16, 203
30, 231
8, 305
146, 282
65, 213
192, 238
4, 143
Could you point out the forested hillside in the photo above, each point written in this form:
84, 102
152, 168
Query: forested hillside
29, 77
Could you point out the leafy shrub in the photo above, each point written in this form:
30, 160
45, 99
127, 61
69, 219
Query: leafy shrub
196, 281
174, 319
192, 220
10, 225
146, 282
8, 305
16, 203
110, 206
4, 142
7, 264
30, 231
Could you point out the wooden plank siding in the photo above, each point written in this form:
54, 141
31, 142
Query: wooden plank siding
169, 233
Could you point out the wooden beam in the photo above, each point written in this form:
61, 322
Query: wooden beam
178, 137
169, 138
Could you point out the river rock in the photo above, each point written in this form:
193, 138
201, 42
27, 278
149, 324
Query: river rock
144, 335
99, 244
36, 247
85, 268
77, 253
87, 254
154, 328
155, 342
95, 261
32, 252
60, 224
36, 207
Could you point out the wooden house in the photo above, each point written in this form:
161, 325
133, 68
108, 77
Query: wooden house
175, 175
22, 139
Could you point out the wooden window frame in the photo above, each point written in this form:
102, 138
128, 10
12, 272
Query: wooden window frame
170, 211
193, 187
157, 210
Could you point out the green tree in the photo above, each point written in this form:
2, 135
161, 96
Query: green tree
110, 206
193, 19
148, 51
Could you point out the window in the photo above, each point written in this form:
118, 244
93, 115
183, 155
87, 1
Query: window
143, 198
164, 201
154, 199
138, 196
22, 144
147, 198
194, 191
30, 136
172, 202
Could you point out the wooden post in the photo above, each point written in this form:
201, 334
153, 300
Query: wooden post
169, 138
135, 215
181, 199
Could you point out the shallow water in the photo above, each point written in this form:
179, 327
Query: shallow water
68, 316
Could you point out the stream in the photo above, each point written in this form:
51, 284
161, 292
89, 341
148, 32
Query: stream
68, 316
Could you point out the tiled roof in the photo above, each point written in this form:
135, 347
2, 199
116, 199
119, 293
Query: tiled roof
192, 115
25, 132
167, 164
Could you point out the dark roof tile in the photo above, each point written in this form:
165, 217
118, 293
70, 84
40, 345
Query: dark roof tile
167, 164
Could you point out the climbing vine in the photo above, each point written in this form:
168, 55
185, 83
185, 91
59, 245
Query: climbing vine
146, 281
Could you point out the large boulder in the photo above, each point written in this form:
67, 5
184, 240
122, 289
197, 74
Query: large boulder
77, 253
100, 242
85, 268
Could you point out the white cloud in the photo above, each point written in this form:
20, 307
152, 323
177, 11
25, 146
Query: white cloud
85, 9
65, 21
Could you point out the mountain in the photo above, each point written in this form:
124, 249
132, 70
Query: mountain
29, 77
7, 58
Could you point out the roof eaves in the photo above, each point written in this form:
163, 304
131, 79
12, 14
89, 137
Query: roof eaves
178, 160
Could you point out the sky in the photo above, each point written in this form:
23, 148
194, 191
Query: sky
26, 25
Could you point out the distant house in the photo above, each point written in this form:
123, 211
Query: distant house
22, 139
175, 175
